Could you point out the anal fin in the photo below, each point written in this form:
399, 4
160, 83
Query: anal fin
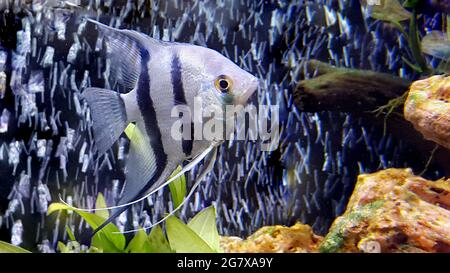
140, 170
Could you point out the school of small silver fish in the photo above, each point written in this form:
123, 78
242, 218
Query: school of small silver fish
55, 56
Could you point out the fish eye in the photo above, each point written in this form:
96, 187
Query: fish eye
223, 84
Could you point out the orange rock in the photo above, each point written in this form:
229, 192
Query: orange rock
428, 108
271, 239
393, 211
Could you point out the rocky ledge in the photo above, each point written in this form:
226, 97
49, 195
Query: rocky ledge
428, 108
275, 239
389, 211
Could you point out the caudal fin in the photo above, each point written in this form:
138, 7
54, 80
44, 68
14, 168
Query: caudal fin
108, 115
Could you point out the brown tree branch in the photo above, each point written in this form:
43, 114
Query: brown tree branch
346, 89
351, 90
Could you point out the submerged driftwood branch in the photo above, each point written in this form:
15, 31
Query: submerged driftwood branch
346, 89
351, 90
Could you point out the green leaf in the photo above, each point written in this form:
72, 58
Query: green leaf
70, 233
204, 224
56, 207
177, 188
388, 10
93, 249
414, 43
108, 239
139, 243
9, 248
62, 247
100, 203
129, 130
71, 247
183, 239
157, 242
109, 242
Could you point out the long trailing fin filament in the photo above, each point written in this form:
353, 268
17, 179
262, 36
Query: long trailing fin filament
187, 168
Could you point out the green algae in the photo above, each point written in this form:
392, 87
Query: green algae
336, 237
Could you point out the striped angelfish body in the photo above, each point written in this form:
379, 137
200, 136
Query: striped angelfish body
161, 76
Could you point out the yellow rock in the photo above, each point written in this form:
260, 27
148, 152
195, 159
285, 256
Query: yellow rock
428, 108
393, 211
273, 239
389, 211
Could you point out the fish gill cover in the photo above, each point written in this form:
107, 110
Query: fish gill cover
49, 55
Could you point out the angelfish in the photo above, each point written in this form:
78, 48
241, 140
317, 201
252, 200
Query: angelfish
160, 75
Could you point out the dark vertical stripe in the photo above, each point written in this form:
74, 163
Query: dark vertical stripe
180, 98
177, 81
148, 112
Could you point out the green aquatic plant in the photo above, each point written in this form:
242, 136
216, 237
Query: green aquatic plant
108, 239
200, 234
435, 43
389, 109
391, 11
178, 188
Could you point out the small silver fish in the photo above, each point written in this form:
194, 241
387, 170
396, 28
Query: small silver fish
160, 75
42, 3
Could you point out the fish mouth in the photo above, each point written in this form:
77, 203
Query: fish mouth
253, 86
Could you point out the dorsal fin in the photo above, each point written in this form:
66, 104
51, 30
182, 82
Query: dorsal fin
125, 52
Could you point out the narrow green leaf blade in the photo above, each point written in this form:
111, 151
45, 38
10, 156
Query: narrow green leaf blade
204, 224
70, 233
183, 239
9, 248
178, 188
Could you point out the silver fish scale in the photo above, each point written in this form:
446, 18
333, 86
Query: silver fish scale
309, 178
